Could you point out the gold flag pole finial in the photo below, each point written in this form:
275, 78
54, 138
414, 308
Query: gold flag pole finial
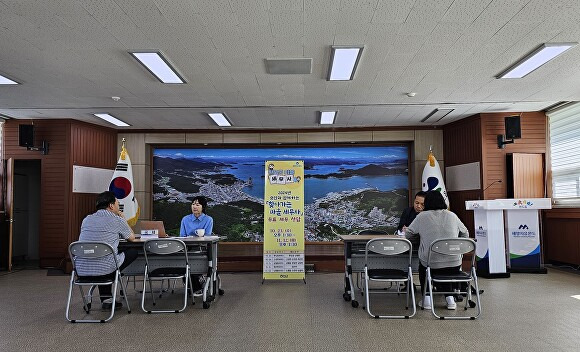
123, 150
431, 157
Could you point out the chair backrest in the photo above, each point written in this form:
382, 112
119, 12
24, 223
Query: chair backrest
453, 246
372, 232
388, 246
164, 246
90, 250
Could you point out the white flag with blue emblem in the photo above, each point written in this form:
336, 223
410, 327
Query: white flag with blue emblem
432, 178
122, 186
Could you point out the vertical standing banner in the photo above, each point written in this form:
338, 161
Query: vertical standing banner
122, 186
284, 220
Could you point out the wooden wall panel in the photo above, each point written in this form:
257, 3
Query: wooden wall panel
457, 205
247, 256
71, 142
561, 236
533, 126
93, 146
54, 185
462, 145
528, 175
462, 141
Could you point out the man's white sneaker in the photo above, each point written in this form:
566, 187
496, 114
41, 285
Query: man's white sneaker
425, 303
451, 305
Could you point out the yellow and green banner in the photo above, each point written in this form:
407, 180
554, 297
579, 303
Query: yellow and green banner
284, 220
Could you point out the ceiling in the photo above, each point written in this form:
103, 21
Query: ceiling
71, 57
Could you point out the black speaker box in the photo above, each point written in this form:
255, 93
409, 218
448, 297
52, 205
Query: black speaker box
512, 127
26, 135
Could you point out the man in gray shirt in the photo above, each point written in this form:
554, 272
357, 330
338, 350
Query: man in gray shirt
107, 224
433, 223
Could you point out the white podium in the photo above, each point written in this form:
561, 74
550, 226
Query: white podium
522, 228
489, 234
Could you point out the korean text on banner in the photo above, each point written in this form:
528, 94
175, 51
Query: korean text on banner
284, 220
122, 186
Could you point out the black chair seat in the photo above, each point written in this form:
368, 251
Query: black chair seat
93, 279
458, 276
387, 274
167, 272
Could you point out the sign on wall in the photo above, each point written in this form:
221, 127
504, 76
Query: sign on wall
284, 220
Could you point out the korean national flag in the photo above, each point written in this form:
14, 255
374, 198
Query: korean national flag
433, 179
122, 186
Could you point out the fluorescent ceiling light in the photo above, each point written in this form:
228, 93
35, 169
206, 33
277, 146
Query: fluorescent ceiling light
343, 62
535, 59
220, 119
437, 115
327, 117
6, 81
111, 119
155, 63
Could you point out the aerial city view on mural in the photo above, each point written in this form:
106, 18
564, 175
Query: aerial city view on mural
346, 189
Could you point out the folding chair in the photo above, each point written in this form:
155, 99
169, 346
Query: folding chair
454, 247
93, 250
360, 249
385, 273
174, 266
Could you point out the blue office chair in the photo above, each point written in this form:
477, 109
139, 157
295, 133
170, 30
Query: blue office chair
160, 269
92, 251
454, 247
386, 273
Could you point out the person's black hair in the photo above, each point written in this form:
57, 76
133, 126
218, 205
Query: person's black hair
420, 194
105, 199
434, 201
202, 201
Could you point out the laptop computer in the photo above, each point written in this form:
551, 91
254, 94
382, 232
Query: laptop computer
149, 227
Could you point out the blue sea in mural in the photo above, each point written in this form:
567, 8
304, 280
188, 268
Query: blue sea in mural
248, 165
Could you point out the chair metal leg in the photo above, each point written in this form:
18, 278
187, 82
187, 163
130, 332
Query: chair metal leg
70, 288
124, 289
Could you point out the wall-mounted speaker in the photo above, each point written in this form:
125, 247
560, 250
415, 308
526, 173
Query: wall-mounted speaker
513, 128
26, 136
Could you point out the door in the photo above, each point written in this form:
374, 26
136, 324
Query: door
10, 206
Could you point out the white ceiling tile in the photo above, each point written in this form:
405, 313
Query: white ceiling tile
71, 56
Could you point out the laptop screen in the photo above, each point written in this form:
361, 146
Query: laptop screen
149, 227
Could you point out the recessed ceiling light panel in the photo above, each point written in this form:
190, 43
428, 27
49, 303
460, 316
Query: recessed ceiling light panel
112, 119
7, 81
220, 119
155, 63
535, 59
327, 117
437, 115
343, 62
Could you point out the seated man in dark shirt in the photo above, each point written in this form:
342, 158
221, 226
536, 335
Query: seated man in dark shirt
410, 213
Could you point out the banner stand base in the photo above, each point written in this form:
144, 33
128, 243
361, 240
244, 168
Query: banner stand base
488, 275
285, 280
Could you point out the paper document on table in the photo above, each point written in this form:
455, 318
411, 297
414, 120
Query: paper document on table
148, 237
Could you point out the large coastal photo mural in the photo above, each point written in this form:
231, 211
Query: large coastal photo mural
346, 189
